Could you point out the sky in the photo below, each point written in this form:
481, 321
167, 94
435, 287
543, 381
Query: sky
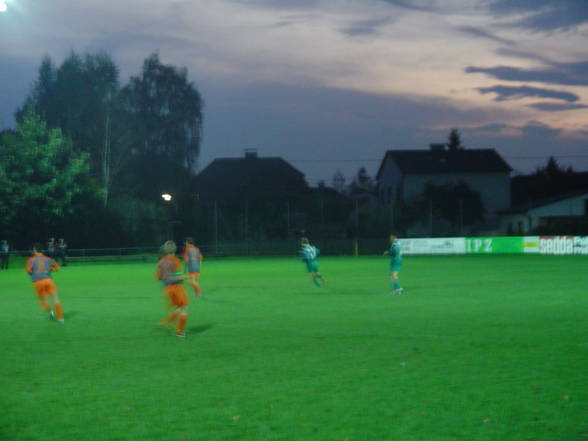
332, 84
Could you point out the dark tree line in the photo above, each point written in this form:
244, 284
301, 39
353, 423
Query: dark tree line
550, 180
128, 143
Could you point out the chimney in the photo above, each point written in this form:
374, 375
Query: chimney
437, 147
250, 153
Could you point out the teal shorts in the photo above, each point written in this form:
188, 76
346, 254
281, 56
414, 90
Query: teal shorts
312, 267
395, 266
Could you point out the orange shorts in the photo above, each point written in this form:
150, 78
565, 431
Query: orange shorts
45, 287
177, 295
194, 275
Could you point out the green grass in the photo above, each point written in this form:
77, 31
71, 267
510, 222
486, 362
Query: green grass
484, 348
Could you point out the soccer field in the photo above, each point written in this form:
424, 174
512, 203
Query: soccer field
484, 348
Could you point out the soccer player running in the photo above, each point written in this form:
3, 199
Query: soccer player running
169, 272
309, 255
395, 264
192, 256
40, 267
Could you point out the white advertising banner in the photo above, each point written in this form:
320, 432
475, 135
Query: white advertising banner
531, 244
563, 245
433, 245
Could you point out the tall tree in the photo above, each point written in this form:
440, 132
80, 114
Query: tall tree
454, 140
41, 175
362, 183
81, 98
168, 111
339, 181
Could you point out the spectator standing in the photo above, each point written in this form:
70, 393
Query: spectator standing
4, 254
51, 247
61, 250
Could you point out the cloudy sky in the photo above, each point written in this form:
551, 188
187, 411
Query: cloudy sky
333, 84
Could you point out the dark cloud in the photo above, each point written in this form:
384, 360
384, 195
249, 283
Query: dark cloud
505, 93
481, 33
556, 107
281, 5
515, 53
571, 74
535, 130
365, 27
408, 4
544, 15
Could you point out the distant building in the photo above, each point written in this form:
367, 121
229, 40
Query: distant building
251, 178
249, 197
404, 174
553, 212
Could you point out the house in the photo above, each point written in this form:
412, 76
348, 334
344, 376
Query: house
556, 212
404, 174
250, 178
250, 196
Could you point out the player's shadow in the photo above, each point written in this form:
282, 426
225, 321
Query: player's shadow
68, 315
200, 328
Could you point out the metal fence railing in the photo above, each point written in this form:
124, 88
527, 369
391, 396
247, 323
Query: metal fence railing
228, 248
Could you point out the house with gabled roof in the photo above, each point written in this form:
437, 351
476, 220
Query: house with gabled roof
252, 196
251, 177
566, 210
404, 174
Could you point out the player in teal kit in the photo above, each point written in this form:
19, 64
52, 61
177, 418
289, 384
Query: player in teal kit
309, 255
395, 254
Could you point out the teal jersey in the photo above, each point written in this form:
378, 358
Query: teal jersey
395, 256
309, 254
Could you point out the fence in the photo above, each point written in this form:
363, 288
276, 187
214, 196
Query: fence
546, 245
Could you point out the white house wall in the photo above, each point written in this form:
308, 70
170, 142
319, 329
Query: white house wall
389, 182
574, 206
494, 188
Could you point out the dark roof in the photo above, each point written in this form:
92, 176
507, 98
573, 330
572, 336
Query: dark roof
523, 208
251, 177
447, 161
236, 169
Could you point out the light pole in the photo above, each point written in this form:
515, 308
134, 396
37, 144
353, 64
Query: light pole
167, 199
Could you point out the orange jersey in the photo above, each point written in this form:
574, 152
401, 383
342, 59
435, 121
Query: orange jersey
192, 256
166, 269
39, 267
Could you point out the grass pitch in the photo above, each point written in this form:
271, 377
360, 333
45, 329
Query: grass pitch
484, 348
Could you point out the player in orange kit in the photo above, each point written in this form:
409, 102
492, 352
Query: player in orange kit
40, 267
169, 272
192, 256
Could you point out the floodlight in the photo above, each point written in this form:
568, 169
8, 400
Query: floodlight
166, 197
3, 6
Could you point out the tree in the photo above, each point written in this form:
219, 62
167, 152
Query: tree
550, 180
41, 176
362, 183
339, 181
82, 98
168, 114
454, 140
457, 203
